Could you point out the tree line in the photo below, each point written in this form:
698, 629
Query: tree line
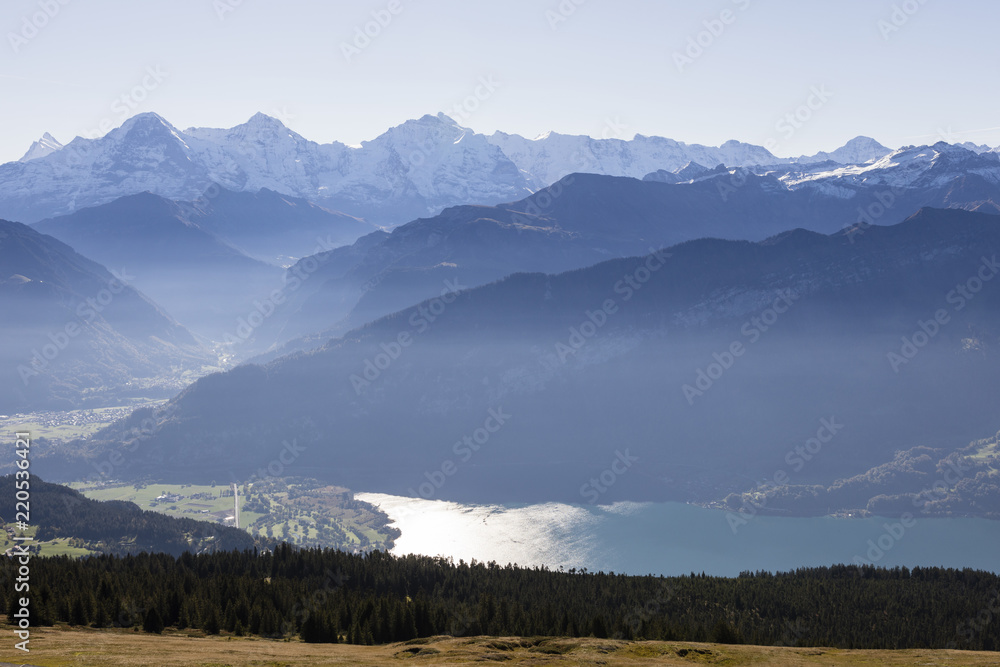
332, 596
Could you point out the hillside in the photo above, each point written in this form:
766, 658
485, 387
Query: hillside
710, 361
115, 527
584, 219
77, 335
202, 280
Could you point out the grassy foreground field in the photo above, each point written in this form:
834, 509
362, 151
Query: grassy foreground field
58, 647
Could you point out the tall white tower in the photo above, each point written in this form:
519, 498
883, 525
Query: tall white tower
236, 505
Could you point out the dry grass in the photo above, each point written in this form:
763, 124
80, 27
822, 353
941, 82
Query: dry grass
58, 647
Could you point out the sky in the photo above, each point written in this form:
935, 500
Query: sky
796, 76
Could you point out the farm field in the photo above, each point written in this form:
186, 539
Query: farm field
63, 546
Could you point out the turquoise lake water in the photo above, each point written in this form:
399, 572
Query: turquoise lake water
675, 538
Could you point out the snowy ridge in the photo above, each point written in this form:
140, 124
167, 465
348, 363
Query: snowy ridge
412, 170
553, 156
909, 167
44, 146
422, 166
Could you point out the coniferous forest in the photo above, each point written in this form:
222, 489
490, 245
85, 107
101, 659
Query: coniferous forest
331, 596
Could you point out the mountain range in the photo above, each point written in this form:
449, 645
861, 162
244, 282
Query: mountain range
210, 259
413, 170
418, 167
586, 218
544, 303
711, 363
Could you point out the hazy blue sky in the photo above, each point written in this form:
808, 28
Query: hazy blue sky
608, 68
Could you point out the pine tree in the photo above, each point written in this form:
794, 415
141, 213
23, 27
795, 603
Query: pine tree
211, 621
153, 623
312, 631
79, 613
598, 628
101, 617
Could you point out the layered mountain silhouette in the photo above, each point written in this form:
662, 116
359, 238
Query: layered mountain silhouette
710, 363
209, 260
577, 222
75, 334
204, 282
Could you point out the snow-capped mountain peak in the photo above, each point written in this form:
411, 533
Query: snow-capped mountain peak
44, 146
261, 126
691, 170
144, 122
859, 150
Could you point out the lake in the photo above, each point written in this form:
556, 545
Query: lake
675, 538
